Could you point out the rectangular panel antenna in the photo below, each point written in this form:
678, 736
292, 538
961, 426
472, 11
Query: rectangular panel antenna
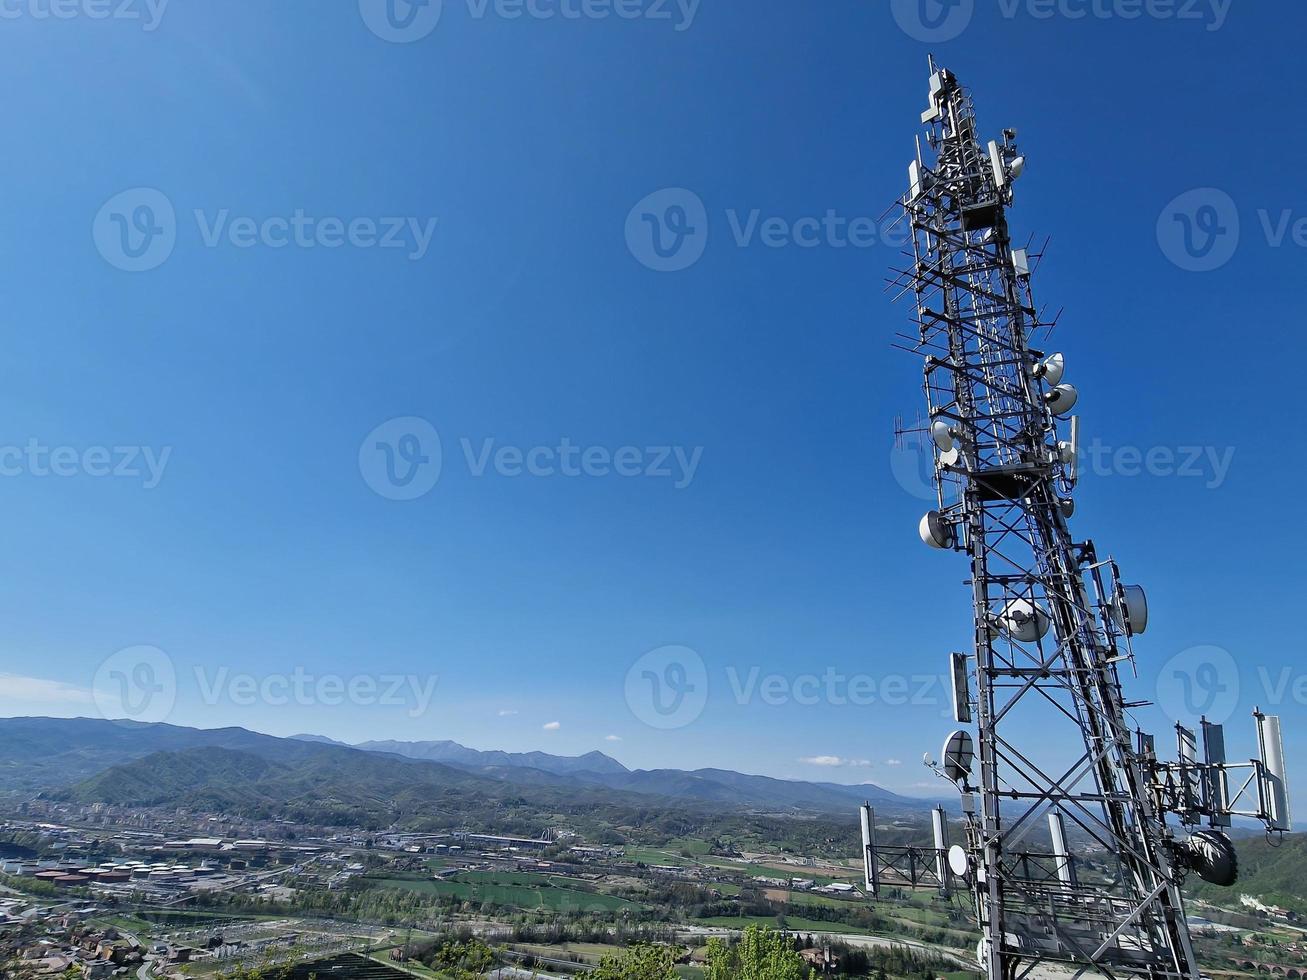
1275, 789
940, 820
1061, 853
869, 850
1217, 788
961, 689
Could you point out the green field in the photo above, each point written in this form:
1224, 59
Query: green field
793, 923
515, 890
657, 856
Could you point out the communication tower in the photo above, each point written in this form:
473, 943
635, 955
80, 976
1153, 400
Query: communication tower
1074, 847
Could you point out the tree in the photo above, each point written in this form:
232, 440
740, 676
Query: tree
762, 954
640, 962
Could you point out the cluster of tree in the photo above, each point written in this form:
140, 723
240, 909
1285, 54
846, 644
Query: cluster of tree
461, 957
760, 954
556, 932
896, 961
639, 962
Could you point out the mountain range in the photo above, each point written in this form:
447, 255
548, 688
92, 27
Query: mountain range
451, 753
319, 779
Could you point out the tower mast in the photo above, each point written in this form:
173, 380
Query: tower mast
1053, 620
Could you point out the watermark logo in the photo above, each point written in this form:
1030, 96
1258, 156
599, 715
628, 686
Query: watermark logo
136, 684
1211, 464
148, 13
912, 461
835, 689
406, 21
413, 692
668, 230
401, 459
937, 21
667, 688
933, 21
401, 21
35, 459
136, 230
1199, 230
1200, 681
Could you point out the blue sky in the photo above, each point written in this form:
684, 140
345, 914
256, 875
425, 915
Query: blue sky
740, 497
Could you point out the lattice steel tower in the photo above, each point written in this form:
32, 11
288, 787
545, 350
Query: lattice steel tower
1053, 624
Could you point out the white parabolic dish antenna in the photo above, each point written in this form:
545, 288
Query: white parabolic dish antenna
1024, 621
957, 860
1062, 399
935, 531
1053, 370
942, 433
959, 753
1133, 601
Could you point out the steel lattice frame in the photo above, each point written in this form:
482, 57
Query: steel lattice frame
1004, 496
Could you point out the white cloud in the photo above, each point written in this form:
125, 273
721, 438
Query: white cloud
553, 726
836, 762
893, 762
507, 713
36, 690
613, 738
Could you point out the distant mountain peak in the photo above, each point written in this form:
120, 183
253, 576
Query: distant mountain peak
320, 739
454, 754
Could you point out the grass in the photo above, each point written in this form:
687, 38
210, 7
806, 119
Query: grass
654, 856
515, 890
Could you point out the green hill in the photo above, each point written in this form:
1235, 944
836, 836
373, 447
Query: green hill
1273, 872
319, 784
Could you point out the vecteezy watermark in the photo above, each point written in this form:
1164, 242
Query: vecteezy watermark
412, 692
147, 13
667, 688
668, 230
1202, 681
933, 21
136, 684
35, 459
1211, 464
1201, 230
912, 462
401, 21
141, 684
406, 21
936, 21
137, 230
836, 689
402, 460
566, 459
